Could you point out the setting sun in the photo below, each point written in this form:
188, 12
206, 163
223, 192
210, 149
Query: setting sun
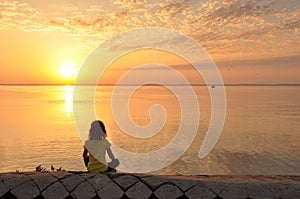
68, 70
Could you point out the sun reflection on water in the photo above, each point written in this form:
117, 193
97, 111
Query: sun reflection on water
68, 99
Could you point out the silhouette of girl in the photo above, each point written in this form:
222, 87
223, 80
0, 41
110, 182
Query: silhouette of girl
96, 147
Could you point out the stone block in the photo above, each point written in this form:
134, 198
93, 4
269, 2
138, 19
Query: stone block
215, 186
71, 182
3, 189
184, 184
110, 191
55, 191
292, 191
233, 192
258, 190
138, 190
199, 192
155, 182
83, 191
43, 180
126, 181
88, 175
168, 191
61, 174
14, 182
99, 181
105, 187
26, 190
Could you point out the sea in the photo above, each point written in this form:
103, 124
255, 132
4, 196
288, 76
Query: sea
260, 135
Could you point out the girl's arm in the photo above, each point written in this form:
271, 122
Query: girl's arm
85, 153
110, 153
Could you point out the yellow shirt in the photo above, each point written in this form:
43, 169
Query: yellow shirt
97, 149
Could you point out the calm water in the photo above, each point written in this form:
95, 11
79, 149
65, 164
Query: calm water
261, 133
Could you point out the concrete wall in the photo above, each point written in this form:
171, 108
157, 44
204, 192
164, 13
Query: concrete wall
117, 185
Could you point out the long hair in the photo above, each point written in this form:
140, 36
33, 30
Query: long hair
97, 130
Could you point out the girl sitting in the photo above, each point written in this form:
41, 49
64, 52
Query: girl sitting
96, 147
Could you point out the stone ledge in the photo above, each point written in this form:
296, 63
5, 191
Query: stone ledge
64, 184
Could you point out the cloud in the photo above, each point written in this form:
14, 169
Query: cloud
291, 61
18, 15
238, 27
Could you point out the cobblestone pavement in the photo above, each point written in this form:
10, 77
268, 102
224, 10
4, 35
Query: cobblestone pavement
63, 184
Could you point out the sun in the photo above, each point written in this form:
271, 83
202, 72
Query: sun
68, 70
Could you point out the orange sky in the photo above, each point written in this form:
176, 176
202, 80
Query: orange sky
250, 41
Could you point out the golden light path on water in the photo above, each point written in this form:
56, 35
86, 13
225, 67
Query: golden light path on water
69, 100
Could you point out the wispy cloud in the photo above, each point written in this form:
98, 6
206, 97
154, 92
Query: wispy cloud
18, 15
239, 27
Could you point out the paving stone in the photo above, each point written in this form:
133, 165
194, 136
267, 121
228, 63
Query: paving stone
126, 181
89, 185
8, 195
88, 175
61, 174
263, 189
84, 190
43, 180
105, 187
26, 190
71, 182
13, 182
233, 192
3, 188
6, 176
138, 190
278, 190
292, 191
257, 189
273, 190
216, 186
99, 181
55, 191
111, 191
155, 182
168, 191
286, 191
199, 192
184, 184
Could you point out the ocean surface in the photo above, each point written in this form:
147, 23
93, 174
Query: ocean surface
261, 134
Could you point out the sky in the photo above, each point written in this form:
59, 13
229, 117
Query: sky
253, 41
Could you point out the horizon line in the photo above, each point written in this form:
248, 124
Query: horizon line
153, 84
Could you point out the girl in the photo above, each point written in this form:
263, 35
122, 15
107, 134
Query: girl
95, 148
